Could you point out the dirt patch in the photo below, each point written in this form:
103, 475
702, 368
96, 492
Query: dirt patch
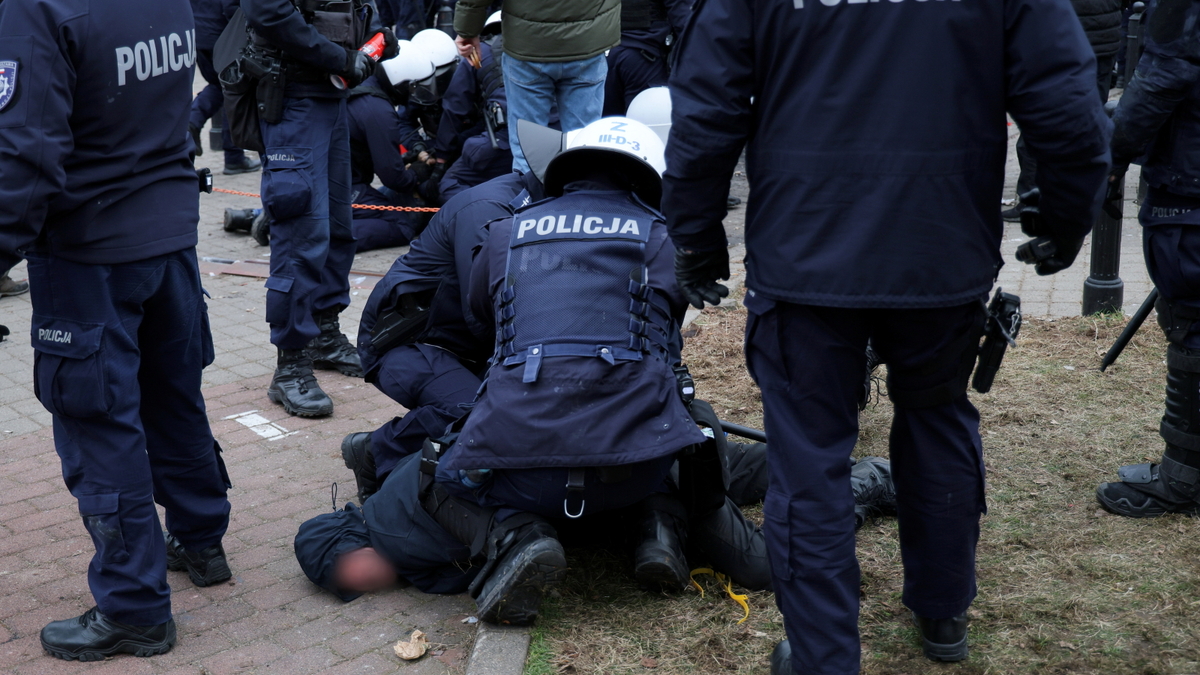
1063, 586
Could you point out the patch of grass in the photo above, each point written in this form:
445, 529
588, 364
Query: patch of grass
1063, 586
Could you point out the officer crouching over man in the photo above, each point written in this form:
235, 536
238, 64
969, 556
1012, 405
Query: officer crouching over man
580, 413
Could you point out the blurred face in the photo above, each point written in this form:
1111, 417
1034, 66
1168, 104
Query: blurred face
363, 570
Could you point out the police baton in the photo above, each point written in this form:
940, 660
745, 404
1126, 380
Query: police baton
744, 432
1131, 328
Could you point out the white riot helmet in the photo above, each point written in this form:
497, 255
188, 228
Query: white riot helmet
438, 46
652, 107
410, 65
440, 49
491, 26
625, 146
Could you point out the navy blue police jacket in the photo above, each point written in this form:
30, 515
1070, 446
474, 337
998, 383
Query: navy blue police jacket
283, 26
1159, 112
439, 260
462, 102
600, 406
211, 18
875, 139
377, 135
94, 164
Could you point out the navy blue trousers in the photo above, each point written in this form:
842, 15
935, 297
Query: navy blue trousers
306, 191
1171, 244
209, 102
432, 383
381, 229
479, 163
119, 351
809, 362
630, 72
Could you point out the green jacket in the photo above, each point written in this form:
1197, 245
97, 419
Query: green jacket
547, 30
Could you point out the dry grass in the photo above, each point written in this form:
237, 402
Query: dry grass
1064, 587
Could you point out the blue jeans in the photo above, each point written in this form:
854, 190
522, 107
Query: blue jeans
534, 88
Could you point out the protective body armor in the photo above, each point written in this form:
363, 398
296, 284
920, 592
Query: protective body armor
582, 372
639, 14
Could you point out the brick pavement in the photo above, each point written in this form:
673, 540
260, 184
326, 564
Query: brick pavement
270, 618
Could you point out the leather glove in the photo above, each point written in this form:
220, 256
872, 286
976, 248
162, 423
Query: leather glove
1050, 252
359, 67
1113, 194
697, 273
422, 171
391, 46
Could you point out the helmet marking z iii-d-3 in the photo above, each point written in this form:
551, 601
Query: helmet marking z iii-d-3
621, 145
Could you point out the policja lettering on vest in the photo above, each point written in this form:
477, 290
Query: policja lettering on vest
145, 56
547, 226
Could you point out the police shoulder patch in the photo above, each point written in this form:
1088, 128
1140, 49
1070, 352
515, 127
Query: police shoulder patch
8, 82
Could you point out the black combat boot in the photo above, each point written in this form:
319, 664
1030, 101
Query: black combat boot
356, 452
781, 659
1173, 485
260, 229
240, 220
295, 387
943, 639
204, 568
95, 637
874, 492
660, 561
331, 350
244, 165
524, 561
731, 545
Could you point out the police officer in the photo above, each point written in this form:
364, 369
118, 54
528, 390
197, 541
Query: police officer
101, 199
640, 61
211, 18
418, 342
378, 139
1158, 114
876, 162
475, 108
306, 184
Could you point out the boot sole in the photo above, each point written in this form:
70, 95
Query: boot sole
141, 649
948, 653
539, 570
277, 397
1122, 507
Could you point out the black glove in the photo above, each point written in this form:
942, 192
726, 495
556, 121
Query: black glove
1113, 194
1051, 251
391, 46
359, 67
422, 171
697, 273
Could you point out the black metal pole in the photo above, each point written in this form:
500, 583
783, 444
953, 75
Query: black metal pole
744, 432
1103, 291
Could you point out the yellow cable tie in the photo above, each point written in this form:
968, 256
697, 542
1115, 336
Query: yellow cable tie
727, 584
